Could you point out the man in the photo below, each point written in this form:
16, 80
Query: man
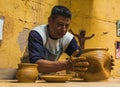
47, 42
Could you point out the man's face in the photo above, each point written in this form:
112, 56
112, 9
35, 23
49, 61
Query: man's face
58, 26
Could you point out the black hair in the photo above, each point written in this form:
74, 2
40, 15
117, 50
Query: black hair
60, 10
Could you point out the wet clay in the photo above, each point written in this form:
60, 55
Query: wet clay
99, 64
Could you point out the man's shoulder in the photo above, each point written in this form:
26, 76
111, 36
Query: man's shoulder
42, 29
68, 36
66, 40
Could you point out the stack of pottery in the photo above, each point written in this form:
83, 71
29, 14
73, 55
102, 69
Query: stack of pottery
27, 72
99, 68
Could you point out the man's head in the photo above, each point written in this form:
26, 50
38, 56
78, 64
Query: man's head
59, 21
60, 10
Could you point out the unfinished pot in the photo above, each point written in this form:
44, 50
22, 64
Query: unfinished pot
27, 72
99, 64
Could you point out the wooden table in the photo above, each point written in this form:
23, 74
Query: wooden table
112, 82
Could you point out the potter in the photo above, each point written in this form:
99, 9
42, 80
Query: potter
100, 64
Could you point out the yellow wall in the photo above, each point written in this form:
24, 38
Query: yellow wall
20, 17
95, 16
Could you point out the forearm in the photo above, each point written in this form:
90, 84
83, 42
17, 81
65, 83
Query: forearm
45, 66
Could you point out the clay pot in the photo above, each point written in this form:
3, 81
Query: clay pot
27, 72
99, 64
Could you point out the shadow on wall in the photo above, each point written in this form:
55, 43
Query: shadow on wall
23, 41
25, 57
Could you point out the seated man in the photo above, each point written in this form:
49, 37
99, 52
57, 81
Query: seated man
47, 42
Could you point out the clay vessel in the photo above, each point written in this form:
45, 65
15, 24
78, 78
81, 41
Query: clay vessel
99, 68
27, 72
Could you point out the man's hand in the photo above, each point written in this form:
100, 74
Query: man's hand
79, 63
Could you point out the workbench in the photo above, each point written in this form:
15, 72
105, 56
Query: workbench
112, 82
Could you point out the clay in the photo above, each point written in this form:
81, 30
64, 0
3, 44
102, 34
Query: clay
99, 64
27, 72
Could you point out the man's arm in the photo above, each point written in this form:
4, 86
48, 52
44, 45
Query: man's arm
73, 46
35, 46
46, 66
36, 53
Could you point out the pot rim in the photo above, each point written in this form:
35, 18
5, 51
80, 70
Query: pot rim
96, 48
